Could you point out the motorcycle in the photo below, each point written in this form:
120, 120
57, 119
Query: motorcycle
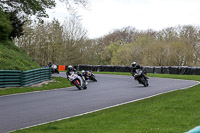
77, 80
54, 69
141, 77
89, 75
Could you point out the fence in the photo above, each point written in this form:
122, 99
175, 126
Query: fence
184, 70
16, 78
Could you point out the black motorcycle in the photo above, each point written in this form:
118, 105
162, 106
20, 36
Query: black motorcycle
141, 77
89, 75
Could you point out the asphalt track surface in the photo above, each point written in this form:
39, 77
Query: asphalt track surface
24, 110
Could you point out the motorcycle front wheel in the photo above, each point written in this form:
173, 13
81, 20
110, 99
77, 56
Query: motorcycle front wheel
77, 84
84, 86
143, 81
93, 78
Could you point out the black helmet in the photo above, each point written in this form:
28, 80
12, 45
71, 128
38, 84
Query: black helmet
133, 64
70, 67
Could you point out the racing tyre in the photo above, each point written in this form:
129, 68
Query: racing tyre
93, 78
77, 84
84, 86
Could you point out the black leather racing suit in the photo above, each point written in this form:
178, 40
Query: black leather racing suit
133, 70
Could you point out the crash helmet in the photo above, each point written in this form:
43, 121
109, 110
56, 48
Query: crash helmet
70, 67
50, 63
133, 64
83, 71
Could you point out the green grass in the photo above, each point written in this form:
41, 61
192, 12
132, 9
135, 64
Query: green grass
174, 112
58, 83
13, 58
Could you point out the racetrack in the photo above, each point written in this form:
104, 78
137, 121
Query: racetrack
23, 110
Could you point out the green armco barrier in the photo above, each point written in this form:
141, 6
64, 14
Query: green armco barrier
16, 78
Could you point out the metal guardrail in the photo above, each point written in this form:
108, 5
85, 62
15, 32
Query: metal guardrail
16, 78
182, 70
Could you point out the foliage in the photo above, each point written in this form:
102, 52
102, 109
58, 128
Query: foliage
5, 26
17, 25
109, 51
56, 42
174, 46
29, 7
20, 10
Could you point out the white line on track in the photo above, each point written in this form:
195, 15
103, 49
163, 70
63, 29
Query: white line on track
34, 92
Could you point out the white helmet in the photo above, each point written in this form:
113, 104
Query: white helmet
133, 64
70, 67
83, 71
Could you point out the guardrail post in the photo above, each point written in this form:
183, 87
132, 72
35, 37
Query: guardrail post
21, 79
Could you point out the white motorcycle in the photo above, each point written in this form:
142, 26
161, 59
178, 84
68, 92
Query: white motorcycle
77, 80
54, 69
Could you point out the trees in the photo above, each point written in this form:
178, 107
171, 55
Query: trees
67, 43
38, 7
109, 52
17, 25
5, 27
20, 10
28, 7
52, 41
173, 46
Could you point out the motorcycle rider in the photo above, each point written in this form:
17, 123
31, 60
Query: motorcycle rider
50, 63
71, 69
135, 67
88, 75
137, 71
84, 73
54, 67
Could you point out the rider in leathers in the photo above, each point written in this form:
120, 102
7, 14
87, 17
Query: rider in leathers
135, 67
50, 64
71, 69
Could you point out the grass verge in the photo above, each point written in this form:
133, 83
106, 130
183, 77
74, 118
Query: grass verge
174, 112
13, 58
59, 83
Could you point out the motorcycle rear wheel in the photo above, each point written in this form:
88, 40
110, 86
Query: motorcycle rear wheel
146, 83
143, 81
